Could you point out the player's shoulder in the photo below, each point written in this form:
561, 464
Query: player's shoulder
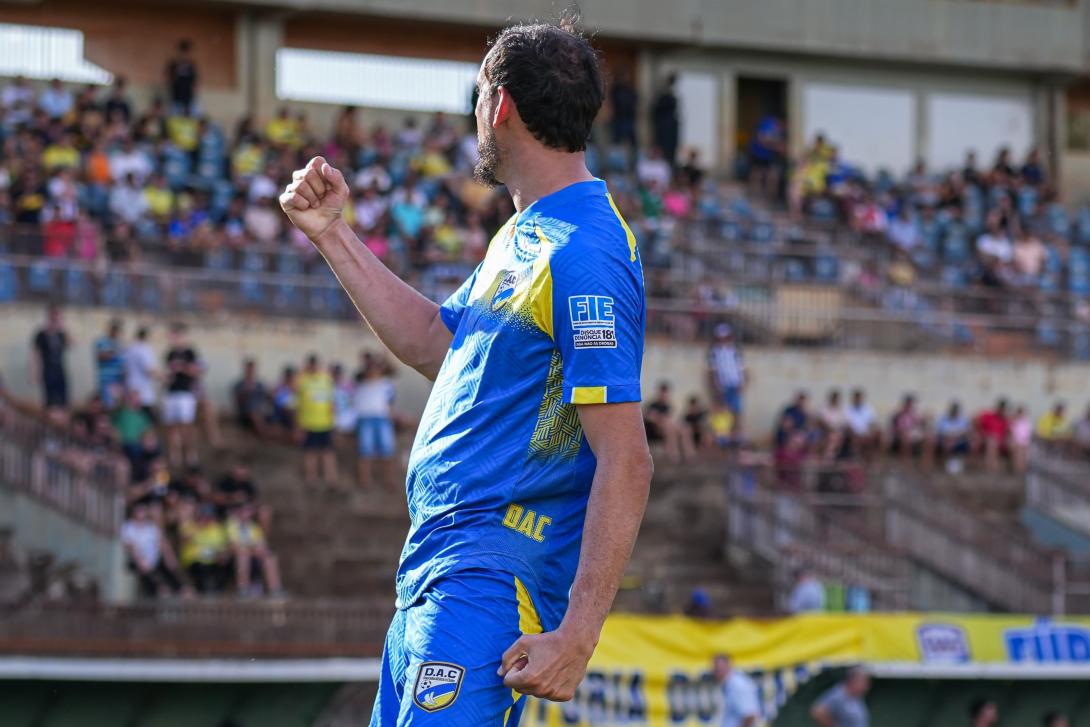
591, 233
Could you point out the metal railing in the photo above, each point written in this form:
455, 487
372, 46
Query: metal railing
49, 463
200, 628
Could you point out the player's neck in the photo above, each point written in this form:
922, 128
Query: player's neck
535, 176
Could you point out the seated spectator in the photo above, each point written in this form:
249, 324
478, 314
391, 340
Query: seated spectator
1021, 434
251, 553
904, 231
696, 424
1052, 426
865, 433
994, 246
908, 430
808, 593
661, 427
131, 422
794, 419
237, 488
953, 437
790, 457
833, 420
993, 430
141, 456
150, 556
1029, 258
252, 404
203, 550
192, 485
153, 489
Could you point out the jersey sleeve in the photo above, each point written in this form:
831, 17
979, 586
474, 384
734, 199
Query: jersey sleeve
598, 325
453, 307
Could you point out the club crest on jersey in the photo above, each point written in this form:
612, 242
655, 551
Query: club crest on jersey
505, 290
437, 685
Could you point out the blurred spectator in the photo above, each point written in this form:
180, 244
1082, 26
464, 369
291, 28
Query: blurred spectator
130, 421
372, 406
983, 713
863, 424
658, 418
722, 427
150, 556
143, 455
727, 370
624, 102
699, 605
204, 552
834, 423
993, 427
794, 419
251, 400
128, 201
315, 411
55, 100
695, 419
1081, 434
237, 488
807, 595
1055, 719
109, 363
1052, 426
140, 371
1021, 434
251, 553
182, 77
908, 430
791, 456
844, 705
117, 103
767, 152
18, 92
180, 402
953, 437
903, 231
665, 124
285, 402
652, 170
344, 414
47, 364
741, 706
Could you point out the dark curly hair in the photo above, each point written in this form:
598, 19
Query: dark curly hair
553, 76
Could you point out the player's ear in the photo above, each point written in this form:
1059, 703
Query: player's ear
503, 107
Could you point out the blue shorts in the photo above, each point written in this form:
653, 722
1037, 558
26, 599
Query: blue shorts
375, 436
732, 398
441, 656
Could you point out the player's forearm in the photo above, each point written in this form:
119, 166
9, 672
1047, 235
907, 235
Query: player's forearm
617, 501
404, 320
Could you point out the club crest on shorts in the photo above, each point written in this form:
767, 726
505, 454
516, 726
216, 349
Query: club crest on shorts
505, 290
437, 685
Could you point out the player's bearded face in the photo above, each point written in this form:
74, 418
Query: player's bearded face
488, 162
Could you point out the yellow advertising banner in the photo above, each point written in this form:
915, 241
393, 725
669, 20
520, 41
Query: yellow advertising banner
655, 671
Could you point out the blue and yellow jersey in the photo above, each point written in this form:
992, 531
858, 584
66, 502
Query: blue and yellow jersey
500, 471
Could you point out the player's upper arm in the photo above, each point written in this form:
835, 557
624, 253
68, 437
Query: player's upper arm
598, 318
454, 307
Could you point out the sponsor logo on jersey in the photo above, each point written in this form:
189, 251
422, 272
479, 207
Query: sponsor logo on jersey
592, 321
505, 290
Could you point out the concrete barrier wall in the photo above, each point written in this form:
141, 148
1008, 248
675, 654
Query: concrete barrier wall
776, 373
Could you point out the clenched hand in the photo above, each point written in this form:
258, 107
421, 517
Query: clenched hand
315, 198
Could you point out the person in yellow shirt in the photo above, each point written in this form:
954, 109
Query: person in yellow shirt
282, 130
251, 552
61, 154
160, 199
248, 159
204, 553
314, 412
184, 131
1052, 426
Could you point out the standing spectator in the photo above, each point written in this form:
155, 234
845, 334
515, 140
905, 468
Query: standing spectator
110, 363
664, 120
843, 705
695, 419
863, 424
727, 372
182, 80
50, 344
285, 403
251, 400
315, 407
624, 101
807, 595
180, 402
658, 418
1052, 426
140, 371
740, 705
56, 100
983, 713
371, 405
344, 414
1020, 438
1055, 719
953, 437
993, 428
1081, 434
117, 103
251, 552
149, 553
767, 152
130, 421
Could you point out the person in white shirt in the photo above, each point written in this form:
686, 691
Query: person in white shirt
56, 100
373, 405
130, 160
17, 93
862, 424
150, 556
741, 707
653, 169
808, 595
127, 200
140, 371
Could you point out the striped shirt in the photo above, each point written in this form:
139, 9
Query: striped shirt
725, 361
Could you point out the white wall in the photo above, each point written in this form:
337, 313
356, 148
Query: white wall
698, 103
959, 122
874, 127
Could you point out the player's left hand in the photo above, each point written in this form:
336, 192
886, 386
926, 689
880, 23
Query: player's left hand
549, 665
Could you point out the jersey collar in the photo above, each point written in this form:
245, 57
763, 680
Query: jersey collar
561, 198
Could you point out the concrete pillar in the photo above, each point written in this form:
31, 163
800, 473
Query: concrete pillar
260, 35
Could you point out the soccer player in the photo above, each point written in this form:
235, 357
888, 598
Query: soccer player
530, 471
